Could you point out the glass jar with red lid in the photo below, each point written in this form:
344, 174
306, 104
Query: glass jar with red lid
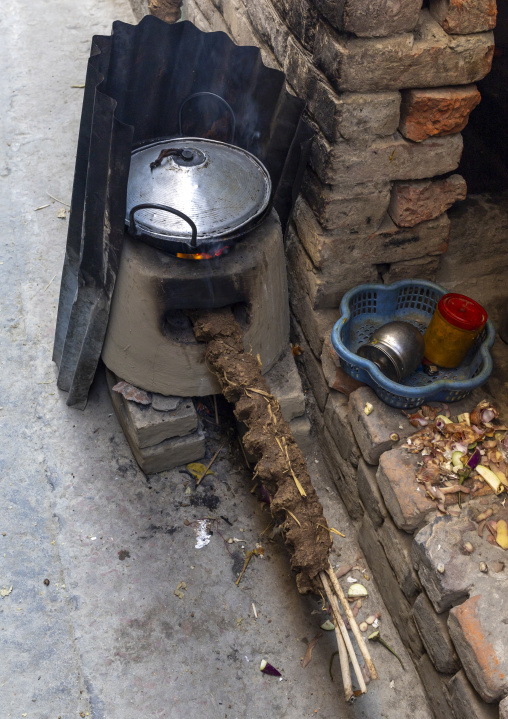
455, 324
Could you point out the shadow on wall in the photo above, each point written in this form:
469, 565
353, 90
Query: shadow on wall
484, 162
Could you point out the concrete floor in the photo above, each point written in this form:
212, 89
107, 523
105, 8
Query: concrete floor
108, 638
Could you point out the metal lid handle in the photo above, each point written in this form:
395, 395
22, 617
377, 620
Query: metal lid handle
150, 205
217, 97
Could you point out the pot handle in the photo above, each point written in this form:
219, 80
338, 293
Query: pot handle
150, 205
217, 97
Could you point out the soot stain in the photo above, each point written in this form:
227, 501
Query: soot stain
238, 562
208, 500
165, 530
233, 655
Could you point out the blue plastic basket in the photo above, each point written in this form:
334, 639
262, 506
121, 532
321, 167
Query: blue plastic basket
367, 307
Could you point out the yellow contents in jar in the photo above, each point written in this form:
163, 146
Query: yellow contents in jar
454, 326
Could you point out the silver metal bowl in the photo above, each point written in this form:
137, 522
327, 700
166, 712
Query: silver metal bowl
397, 348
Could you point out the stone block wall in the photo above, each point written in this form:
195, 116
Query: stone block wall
451, 615
389, 86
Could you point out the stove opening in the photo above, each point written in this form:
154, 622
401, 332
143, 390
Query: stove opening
176, 325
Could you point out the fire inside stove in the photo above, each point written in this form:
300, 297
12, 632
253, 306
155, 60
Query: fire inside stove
204, 256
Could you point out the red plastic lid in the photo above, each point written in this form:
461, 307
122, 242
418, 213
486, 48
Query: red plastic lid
462, 311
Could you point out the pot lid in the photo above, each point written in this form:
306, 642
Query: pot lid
220, 187
462, 312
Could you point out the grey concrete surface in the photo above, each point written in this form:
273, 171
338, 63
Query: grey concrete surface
108, 638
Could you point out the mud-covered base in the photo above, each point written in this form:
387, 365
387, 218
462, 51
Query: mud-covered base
270, 440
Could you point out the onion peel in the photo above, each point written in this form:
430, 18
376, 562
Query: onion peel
502, 534
267, 668
492, 480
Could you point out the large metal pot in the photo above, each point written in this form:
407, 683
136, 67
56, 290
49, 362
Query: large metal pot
192, 196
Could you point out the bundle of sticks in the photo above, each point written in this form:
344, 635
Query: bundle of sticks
334, 594
282, 470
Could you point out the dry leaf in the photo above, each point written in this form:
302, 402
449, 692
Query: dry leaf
197, 469
310, 647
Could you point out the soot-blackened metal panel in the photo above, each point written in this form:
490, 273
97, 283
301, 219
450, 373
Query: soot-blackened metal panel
136, 82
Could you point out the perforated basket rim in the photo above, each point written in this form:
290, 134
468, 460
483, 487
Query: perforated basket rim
375, 373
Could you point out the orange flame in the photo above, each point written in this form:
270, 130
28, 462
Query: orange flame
204, 255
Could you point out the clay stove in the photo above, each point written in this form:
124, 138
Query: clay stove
149, 340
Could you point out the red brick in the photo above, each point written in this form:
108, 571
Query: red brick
404, 498
421, 200
387, 158
479, 636
436, 111
381, 243
460, 17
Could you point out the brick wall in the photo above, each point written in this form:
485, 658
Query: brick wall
389, 86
